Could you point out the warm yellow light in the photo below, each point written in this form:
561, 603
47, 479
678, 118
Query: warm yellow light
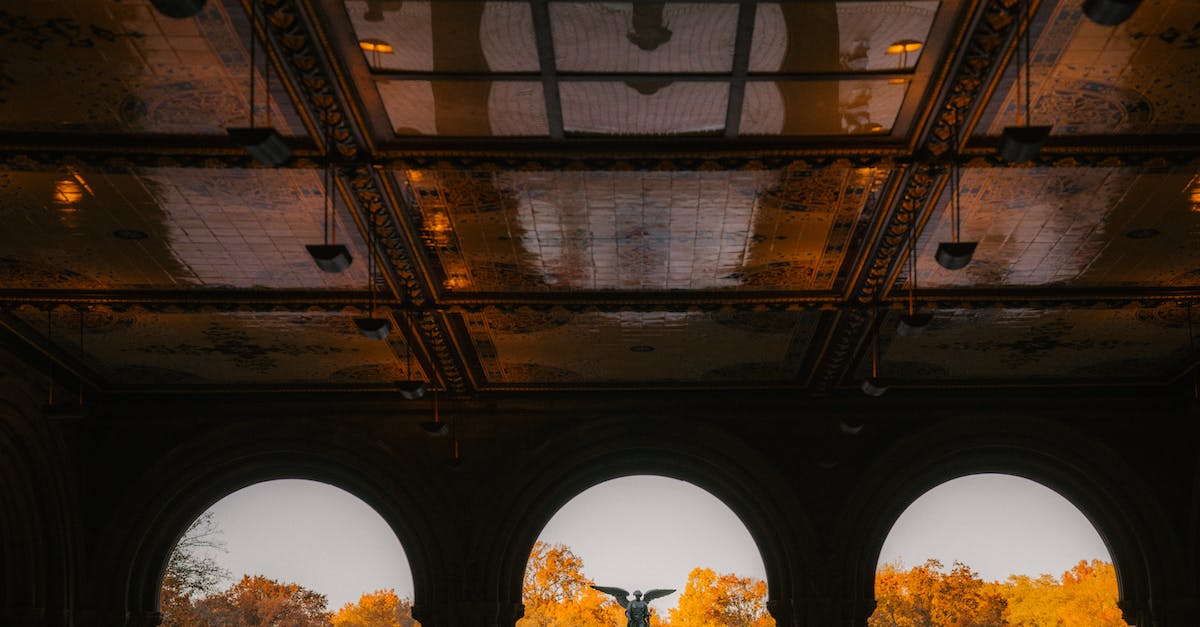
897, 81
438, 223
1194, 193
904, 45
456, 282
875, 127
68, 192
376, 45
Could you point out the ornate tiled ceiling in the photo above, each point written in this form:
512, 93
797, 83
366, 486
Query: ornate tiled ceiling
572, 196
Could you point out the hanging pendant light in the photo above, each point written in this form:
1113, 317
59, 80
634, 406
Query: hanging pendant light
1109, 12
1019, 144
872, 386
955, 254
436, 427
264, 143
178, 9
330, 257
913, 323
63, 410
413, 388
370, 326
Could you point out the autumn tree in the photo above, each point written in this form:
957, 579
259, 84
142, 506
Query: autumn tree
713, 600
191, 571
925, 596
557, 593
381, 608
1086, 597
257, 601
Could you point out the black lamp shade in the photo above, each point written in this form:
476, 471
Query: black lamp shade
912, 325
1109, 12
872, 386
954, 255
330, 257
263, 143
1019, 144
178, 9
435, 428
374, 328
65, 411
411, 390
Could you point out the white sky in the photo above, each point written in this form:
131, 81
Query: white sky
645, 532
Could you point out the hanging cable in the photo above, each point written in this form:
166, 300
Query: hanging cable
49, 358
253, 58
912, 269
1027, 7
81, 354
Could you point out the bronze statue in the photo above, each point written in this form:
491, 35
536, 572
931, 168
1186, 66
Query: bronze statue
637, 610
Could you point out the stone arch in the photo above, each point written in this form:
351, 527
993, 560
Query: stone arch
38, 537
190, 478
1089, 474
582, 456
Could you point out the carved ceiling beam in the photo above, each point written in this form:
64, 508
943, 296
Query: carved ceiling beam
993, 29
325, 97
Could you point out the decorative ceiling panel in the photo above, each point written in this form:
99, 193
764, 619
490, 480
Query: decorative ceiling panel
461, 36
144, 348
167, 228
855, 107
643, 36
561, 348
121, 66
840, 36
465, 108
555, 231
644, 107
1141, 76
1070, 226
1026, 346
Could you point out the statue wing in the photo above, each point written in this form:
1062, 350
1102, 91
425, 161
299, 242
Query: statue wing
622, 596
656, 593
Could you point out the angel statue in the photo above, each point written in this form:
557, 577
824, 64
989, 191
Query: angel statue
637, 610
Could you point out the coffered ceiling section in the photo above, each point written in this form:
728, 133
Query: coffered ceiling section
167, 228
1081, 227
563, 69
145, 348
1141, 76
562, 349
548, 231
1032, 346
123, 67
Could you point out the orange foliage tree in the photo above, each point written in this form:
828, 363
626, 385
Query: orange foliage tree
1087, 597
712, 600
925, 596
257, 600
382, 608
557, 593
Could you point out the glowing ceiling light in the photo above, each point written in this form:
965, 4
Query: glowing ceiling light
68, 191
904, 46
377, 46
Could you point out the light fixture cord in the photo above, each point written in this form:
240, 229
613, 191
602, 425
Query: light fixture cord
1191, 351
436, 415
253, 58
912, 269
328, 180
50, 342
81, 354
1027, 6
875, 355
371, 263
956, 206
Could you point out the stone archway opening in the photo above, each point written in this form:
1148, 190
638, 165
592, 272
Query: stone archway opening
645, 532
288, 551
995, 550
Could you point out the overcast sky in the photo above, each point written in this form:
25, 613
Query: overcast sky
646, 532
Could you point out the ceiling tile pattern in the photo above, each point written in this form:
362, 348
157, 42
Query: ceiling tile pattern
192, 227
120, 66
1085, 227
224, 348
854, 107
555, 231
1141, 76
465, 108
560, 348
643, 37
839, 36
1032, 345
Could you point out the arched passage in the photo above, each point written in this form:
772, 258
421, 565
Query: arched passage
189, 479
714, 461
1143, 545
999, 548
272, 534
641, 533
